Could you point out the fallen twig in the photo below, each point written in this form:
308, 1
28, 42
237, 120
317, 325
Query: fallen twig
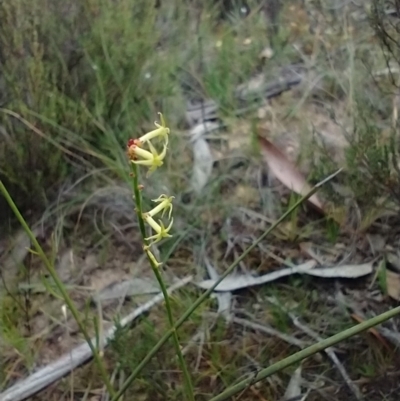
79, 355
269, 330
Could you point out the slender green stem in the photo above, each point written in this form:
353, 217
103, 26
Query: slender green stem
138, 200
60, 286
307, 352
156, 271
205, 295
186, 374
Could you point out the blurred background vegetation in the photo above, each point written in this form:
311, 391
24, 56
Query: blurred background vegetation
80, 77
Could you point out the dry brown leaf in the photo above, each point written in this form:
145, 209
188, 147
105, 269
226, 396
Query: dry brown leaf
286, 172
393, 284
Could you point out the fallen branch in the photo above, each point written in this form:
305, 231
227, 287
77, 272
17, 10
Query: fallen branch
248, 93
81, 354
263, 328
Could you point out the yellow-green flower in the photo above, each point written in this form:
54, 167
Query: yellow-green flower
162, 131
164, 204
151, 159
159, 228
152, 257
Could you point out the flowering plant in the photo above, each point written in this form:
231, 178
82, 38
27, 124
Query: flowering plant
152, 159
147, 151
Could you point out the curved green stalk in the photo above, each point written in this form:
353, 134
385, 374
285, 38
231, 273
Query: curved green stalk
305, 353
60, 286
138, 198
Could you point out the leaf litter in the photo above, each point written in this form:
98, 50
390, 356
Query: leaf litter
240, 281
